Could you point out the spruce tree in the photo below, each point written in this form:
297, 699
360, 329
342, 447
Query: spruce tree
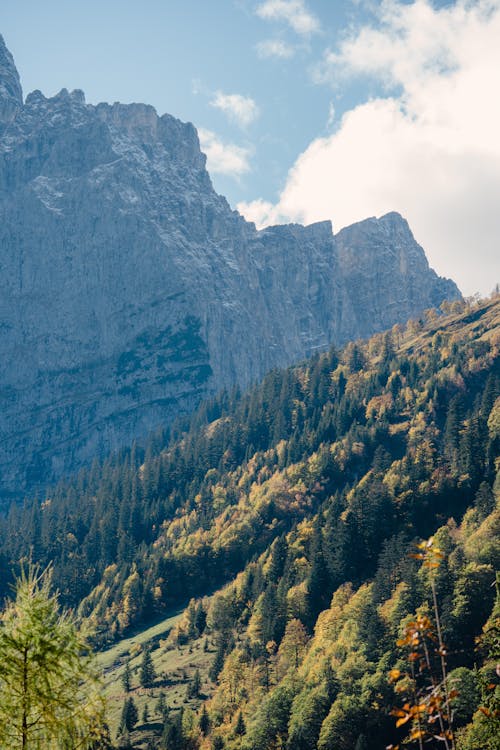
130, 715
147, 674
161, 706
200, 620
204, 722
126, 677
218, 662
240, 728
194, 686
49, 688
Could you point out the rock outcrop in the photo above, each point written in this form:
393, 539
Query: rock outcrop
129, 289
11, 93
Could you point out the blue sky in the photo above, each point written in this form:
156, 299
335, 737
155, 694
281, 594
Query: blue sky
308, 109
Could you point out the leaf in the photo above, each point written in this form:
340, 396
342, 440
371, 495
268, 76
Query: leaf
403, 720
398, 712
417, 734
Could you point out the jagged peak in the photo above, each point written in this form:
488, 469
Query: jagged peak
11, 93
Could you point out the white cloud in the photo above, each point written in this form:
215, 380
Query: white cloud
292, 12
241, 109
429, 148
261, 212
223, 158
275, 48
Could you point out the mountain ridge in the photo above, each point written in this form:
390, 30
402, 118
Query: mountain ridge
130, 289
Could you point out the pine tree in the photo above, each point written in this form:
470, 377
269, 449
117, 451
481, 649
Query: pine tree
147, 674
49, 689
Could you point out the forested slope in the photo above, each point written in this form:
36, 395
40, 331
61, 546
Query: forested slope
307, 494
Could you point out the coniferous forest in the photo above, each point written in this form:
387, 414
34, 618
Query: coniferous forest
331, 538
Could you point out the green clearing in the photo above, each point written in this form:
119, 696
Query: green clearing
174, 665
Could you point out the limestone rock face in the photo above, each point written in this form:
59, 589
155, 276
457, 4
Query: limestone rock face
11, 93
129, 289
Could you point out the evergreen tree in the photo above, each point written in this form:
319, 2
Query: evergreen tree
161, 706
240, 728
126, 677
194, 686
218, 662
48, 684
200, 619
204, 722
173, 735
147, 674
318, 585
130, 715
278, 559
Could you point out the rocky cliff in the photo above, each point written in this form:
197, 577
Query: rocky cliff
129, 289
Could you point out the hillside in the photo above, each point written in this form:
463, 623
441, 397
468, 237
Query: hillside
130, 290
302, 501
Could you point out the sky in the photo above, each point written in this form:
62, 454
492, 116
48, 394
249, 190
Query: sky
307, 109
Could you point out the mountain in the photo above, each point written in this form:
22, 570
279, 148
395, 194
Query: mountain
129, 289
293, 511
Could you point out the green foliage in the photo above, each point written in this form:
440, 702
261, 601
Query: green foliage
194, 686
126, 678
465, 682
136, 535
173, 733
48, 685
147, 674
130, 715
240, 728
309, 710
218, 661
161, 706
204, 722
301, 499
